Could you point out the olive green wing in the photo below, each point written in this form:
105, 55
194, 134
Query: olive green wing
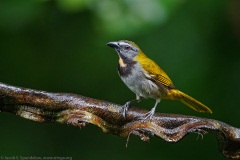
155, 73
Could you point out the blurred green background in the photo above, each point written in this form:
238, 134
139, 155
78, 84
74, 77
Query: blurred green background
60, 46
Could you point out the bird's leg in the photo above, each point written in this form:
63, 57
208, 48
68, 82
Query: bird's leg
127, 105
149, 115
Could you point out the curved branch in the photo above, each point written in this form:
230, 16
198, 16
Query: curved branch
78, 110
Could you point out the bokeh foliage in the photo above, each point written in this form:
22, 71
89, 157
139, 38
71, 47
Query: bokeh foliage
59, 46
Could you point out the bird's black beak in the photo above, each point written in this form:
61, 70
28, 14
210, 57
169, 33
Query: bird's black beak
113, 45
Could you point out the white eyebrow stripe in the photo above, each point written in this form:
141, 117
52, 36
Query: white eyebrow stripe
123, 43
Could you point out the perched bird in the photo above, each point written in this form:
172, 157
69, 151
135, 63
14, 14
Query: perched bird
147, 80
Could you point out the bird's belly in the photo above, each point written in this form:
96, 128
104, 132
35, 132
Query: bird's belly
142, 86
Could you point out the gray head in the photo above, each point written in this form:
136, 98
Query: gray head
125, 49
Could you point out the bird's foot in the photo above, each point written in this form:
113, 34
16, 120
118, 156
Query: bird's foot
125, 109
148, 116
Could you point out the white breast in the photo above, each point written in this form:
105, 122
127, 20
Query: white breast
140, 85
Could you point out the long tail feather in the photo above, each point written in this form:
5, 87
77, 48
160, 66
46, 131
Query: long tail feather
189, 101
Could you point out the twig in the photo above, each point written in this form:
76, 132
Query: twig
78, 111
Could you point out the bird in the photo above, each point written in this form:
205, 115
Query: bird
147, 80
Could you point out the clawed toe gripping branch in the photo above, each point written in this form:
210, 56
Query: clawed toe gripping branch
78, 111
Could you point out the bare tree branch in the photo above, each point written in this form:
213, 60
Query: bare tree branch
78, 110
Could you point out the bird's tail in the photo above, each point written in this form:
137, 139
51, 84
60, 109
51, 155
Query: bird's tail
189, 101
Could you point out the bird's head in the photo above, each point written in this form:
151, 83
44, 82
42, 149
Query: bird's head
126, 49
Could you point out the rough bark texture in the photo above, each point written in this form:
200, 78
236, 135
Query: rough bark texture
78, 110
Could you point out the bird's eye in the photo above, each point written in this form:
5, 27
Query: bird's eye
127, 47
